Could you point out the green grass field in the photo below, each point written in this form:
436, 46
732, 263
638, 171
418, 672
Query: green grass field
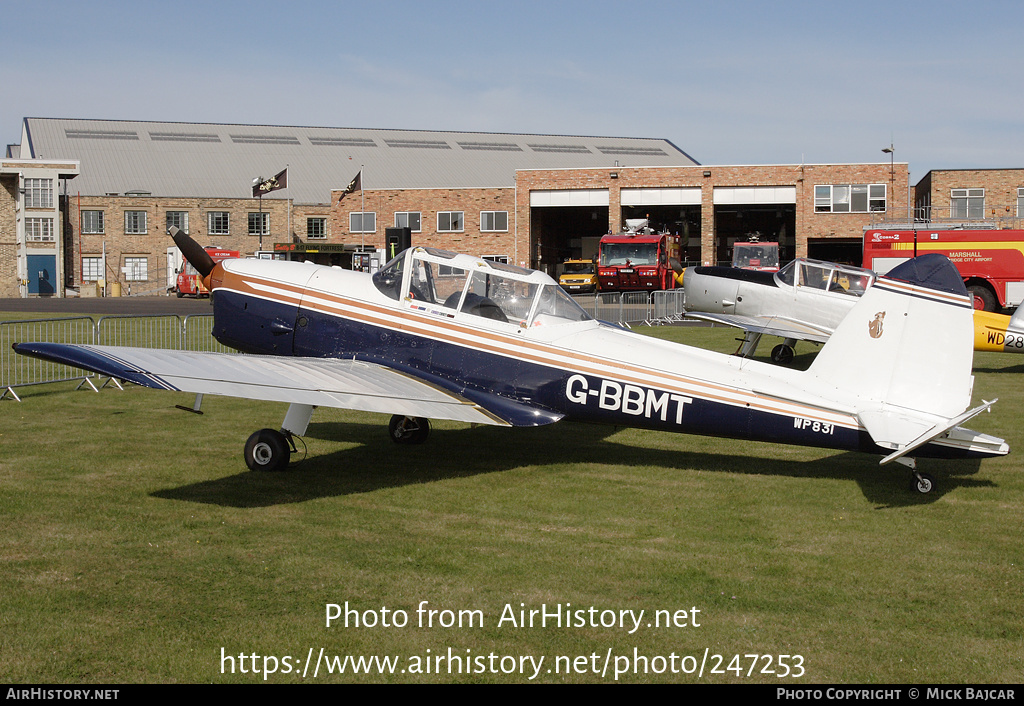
137, 547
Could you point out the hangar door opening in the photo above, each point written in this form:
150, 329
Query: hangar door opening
848, 251
676, 211
566, 225
744, 213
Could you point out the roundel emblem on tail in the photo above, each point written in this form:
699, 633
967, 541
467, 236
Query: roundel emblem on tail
875, 326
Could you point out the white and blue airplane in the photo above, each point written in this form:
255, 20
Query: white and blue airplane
439, 335
807, 299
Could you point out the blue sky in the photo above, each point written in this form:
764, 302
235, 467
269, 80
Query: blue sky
727, 82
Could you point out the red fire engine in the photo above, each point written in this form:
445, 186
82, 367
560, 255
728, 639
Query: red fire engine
188, 282
638, 259
990, 261
756, 255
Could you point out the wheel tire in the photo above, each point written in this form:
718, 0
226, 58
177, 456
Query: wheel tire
922, 483
408, 430
982, 297
267, 450
782, 354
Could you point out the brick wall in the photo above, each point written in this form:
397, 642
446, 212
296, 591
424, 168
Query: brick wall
153, 244
1000, 187
8, 237
429, 202
809, 224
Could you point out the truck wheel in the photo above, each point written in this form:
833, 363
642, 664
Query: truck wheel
983, 298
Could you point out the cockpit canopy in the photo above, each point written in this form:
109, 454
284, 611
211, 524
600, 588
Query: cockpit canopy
826, 276
470, 285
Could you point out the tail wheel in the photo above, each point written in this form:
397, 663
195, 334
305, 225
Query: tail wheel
267, 450
408, 430
922, 483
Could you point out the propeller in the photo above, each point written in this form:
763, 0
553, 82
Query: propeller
193, 252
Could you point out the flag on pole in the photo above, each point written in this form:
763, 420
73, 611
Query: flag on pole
355, 185
279, 181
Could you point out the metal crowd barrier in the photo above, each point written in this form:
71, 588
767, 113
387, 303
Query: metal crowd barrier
649, 308
192, 332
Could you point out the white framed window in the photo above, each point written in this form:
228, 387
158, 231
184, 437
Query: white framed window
494, 221
39, 193
365, 222
177, 219
92, 268
497, 258
967, 203
218, 223
850, 198
135, 222
39, 230
92, 221
259, 223
316, 228
408, 219
1020, 201
136, 269
450, 222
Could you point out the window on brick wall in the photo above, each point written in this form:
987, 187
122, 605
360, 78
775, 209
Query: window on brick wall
177, 219
408, 219
217, 223
316, 228
967, 203
450, 221
259, 223
39, 230
136, 269
1020, 201
494, 221
39, 193
135, 222
849, 198
365, 222
92, 268
92, 221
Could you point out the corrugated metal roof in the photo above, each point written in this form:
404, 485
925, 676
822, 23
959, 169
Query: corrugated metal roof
206, 160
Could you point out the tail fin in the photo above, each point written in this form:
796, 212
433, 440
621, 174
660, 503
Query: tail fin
902, 359
904, 345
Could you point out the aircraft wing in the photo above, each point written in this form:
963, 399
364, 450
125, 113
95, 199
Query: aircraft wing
769, 325
322, 382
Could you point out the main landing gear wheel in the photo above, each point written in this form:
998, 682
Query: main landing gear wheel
782, 354
922, 483
408, 430
267, 450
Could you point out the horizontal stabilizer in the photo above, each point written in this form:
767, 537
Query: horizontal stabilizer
939, 429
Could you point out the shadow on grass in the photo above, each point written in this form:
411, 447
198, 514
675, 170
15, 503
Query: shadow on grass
1008, 369
374, 463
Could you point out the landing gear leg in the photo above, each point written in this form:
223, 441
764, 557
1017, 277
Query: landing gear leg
408, 430
748, 345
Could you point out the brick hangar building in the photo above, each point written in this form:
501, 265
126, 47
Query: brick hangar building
90, 200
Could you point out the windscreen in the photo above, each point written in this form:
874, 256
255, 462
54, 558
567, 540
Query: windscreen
633, 253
